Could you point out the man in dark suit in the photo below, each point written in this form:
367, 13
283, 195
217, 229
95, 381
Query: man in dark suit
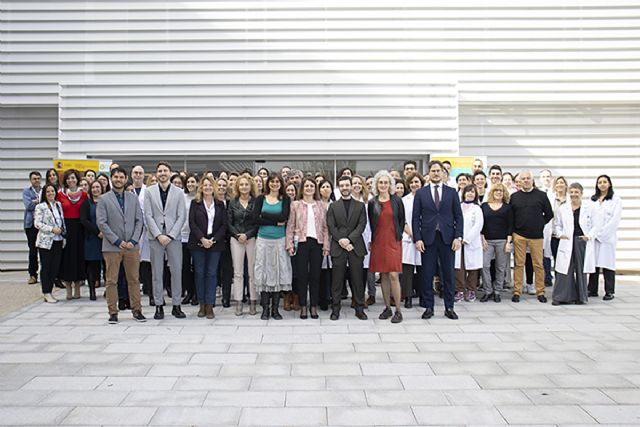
119, 218
437, 223
346, 221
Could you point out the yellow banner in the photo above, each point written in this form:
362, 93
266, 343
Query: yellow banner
62, 165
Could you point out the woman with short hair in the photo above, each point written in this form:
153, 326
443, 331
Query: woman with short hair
468, 260
574, 226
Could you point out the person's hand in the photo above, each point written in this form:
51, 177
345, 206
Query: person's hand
456, 245
563, 237
349, 247
281, 223
57, 231
344, 242
291, 251
123, 245
584, 238
508, 247
164, 240
35, 201
485, 245
420, 246
100, 235
130, 245
242, 238
325, 252
369, 246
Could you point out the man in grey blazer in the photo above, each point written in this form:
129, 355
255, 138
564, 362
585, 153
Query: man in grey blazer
119, 218
165, 214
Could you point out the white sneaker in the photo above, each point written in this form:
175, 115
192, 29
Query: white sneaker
531, 289
50, 299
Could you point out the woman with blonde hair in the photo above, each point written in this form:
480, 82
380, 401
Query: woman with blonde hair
243, 230
387, 222
208, 227
496, 241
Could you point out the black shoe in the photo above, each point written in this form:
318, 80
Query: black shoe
515, 298
303, 313
127, 304
139, 317
264, 303
555, 303
497, 297
548, 283
313, 312
397, 318
335, 314
387, 313
177, 312
186, 300
449, 313
122, 305
542, 299
113, 319
428, 313
275, 305
607, 297
593, 294
92, 292
226, 303
360, 314
194, 300
408, 303
60, 285
323, 306
486, 297
159, 313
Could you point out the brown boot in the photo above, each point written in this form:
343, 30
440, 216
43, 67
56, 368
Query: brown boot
202, 312
252, 308
371, 300
76, 290
208, 309
69, 287
286, 301
295, 305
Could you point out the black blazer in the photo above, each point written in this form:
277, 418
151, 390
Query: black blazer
375, 209
198, 222
352, 226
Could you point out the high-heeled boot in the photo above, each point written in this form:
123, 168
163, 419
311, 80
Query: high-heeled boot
275, 302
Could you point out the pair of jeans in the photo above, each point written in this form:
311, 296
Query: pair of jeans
205, 265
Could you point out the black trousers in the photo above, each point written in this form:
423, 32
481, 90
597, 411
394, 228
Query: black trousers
355, 277
32, 234
225, 273
309, 261
410, 281
188, 283
609, 281
528, 268
145, 277
50, 261
325, 288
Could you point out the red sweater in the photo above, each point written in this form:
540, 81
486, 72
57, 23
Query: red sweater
71, 210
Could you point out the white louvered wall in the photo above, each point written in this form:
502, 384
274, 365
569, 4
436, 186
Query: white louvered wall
29, 140
533, 78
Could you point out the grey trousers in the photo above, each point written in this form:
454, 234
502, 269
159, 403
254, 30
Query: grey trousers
174, 258
572, 287
494, 250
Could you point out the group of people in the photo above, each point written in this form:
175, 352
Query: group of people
292, 235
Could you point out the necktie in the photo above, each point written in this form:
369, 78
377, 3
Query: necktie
436, 199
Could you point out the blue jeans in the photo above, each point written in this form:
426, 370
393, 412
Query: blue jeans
205, 265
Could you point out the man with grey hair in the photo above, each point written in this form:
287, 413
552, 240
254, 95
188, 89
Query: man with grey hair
531, 211
295, 177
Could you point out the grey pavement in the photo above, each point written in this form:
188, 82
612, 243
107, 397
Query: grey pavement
520, 364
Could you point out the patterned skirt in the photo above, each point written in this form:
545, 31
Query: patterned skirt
272, 266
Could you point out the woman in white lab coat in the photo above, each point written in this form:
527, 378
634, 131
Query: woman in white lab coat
411, 259
607, 213
574, 227
468, 261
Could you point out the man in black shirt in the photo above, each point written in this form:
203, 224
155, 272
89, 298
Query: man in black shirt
531, 211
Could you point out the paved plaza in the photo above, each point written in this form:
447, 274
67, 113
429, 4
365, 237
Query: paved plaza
527, 363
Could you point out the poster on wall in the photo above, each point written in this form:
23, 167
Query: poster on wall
81, 165
463, 164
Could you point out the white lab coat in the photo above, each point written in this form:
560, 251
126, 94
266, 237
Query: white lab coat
607, 218
563, 225
366, 234
549, 226
473, 222
145, 254
409, 253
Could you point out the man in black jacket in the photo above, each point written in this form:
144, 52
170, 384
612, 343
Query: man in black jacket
346, 221
531, 211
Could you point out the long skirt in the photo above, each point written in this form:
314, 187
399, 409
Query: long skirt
272, 266
572, 287
72, 268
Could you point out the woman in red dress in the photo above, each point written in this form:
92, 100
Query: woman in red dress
387, 222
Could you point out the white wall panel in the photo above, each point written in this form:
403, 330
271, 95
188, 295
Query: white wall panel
29, 140
578, 142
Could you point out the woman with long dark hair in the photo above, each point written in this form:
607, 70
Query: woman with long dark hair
48, 218
92, 237
273, 266
607, 214
51, 177
71, 197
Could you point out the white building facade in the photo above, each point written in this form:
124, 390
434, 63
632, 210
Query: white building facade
529, 84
